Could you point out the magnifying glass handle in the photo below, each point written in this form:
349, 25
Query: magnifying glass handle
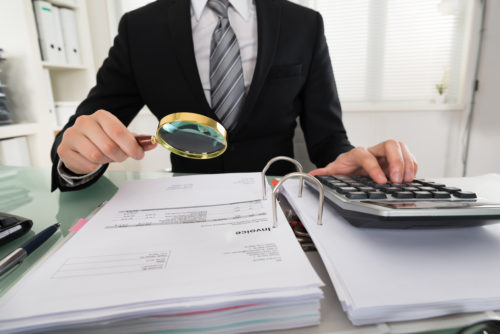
145, 141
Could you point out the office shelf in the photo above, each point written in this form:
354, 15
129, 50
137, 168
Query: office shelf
29, 77
72, 4
18, 130
63, 67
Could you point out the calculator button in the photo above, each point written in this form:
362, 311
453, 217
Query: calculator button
441, 194
376, 195
391, 190
356, 195
450, 189
338, 185
428, 189
403, 194
422, 194
434, 184
344, 190
464, 194
333, 181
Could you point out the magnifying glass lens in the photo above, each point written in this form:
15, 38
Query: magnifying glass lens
191, 137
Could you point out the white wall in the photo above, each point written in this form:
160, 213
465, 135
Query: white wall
429, 134
98, 16
484, 152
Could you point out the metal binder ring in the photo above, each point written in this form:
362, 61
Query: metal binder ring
273, 160
301, 175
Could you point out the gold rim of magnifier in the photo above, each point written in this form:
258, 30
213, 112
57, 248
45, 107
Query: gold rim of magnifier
194, 118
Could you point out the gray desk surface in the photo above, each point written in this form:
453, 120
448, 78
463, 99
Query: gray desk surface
46, 208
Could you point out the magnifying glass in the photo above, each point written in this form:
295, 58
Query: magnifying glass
189, 135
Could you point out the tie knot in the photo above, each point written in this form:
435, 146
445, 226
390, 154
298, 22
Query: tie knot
219, 7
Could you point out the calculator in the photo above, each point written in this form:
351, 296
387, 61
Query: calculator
417, 204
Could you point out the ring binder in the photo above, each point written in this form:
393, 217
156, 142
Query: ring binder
301, 175
273, 160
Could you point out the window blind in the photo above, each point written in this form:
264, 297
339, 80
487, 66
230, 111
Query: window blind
386, 51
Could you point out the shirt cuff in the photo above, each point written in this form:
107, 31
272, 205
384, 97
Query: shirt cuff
70, 179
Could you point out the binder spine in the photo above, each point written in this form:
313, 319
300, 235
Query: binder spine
44, 16
70, 36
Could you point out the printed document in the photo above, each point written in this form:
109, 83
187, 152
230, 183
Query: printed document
383, 275
170, 245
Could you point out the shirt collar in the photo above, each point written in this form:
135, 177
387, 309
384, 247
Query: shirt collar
242, 7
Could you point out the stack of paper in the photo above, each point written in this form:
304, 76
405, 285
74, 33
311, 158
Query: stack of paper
395, 275
191, 254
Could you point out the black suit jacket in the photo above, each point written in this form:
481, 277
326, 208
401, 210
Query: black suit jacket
152, 63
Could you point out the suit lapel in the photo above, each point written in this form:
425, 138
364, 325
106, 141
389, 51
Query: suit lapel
179, 23
268, 23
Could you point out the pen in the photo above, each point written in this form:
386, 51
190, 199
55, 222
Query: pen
18, 255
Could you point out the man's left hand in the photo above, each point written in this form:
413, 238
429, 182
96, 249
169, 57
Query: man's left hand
390, 159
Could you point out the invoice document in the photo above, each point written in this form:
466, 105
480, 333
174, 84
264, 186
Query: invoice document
167, 245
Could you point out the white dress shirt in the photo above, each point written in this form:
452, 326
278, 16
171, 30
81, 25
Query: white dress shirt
243, 19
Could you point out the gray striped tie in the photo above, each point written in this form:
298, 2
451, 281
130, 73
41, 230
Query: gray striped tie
226, 72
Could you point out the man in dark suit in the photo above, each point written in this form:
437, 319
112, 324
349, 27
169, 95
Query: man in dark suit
161, 57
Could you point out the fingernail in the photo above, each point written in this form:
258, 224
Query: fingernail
381, 178
409, 175
396, 177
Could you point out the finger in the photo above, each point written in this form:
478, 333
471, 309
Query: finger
335, 167
411, 165
368, 162
74, 141
391, 150
95, 144
90, 151
78, 164
120, 134
319, 171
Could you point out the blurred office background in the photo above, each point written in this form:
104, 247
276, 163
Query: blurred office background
424, 72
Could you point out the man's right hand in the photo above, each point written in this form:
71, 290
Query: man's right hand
98, 139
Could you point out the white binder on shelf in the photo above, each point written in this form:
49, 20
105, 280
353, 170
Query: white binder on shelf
61, 52
50, 96
70, 36
46, 25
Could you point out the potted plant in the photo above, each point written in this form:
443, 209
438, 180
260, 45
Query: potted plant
441, 88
